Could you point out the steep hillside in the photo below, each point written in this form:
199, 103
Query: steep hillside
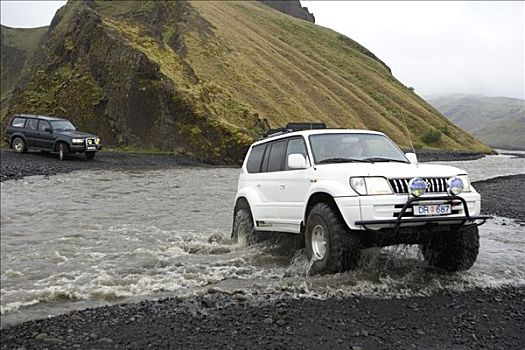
206, 78
17, 45
497, 121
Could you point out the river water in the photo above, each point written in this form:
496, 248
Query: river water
93, 238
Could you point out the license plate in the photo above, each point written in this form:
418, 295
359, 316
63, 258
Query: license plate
91, 148
438, 209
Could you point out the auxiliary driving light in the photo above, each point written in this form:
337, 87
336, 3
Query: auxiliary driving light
455, 185
417, 186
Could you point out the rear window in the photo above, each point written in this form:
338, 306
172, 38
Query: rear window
255, 159
18, 122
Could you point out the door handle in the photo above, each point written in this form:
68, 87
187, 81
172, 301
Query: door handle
282, 187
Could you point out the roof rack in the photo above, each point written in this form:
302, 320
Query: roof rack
291, 127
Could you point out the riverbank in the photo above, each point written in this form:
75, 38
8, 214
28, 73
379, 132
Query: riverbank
17, 166
481, 318
492, 318
503, 196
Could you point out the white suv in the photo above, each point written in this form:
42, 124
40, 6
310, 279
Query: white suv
345, 190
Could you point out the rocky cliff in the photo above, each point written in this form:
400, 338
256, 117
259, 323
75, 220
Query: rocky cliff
292, 8
204, 79
17, 46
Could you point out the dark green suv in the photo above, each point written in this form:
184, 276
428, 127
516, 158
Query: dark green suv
49, 134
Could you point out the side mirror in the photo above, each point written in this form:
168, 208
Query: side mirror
412, 158
297, 161
47, 129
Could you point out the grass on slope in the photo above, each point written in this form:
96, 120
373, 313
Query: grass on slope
288, 69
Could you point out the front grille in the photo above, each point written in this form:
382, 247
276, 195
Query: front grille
435, 185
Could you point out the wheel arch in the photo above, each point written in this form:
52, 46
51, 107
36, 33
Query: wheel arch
14, 136
320, 197
58, 142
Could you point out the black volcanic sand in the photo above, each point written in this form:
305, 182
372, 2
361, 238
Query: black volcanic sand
478, 319
475, 319
17, 166
503, 196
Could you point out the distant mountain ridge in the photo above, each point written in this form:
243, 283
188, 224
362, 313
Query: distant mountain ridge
497, 121
205, 79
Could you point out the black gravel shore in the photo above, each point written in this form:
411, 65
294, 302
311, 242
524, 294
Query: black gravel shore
17, 166
503, 196
482, 318
492, 318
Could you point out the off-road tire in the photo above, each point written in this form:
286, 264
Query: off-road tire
453, 251
243, 231
19, 145
63, 151
343, 247
90, 155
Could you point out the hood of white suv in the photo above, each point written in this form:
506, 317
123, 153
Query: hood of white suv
390, 170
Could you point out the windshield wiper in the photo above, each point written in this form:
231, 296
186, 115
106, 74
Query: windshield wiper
343, 160
381, 159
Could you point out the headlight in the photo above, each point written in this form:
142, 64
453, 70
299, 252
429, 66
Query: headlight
466, 183
454, 186
417, 186
97, 141
370, 185
77, 140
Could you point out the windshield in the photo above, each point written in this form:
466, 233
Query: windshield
64, 125
340, 148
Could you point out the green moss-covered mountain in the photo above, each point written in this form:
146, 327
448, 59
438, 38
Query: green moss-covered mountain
497, 121
204, 79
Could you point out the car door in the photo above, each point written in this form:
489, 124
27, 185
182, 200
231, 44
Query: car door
31, 132
45, 135
273, 165
294, 184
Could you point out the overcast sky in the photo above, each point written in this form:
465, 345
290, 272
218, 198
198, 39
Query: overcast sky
435, 47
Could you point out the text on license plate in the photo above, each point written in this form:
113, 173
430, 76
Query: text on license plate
91, 148
438, 209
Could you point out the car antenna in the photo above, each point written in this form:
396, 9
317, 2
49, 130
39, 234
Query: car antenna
409, 138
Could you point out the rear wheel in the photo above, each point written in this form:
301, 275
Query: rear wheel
19, 145
329, 243
453, 251
90, 155
243, 230
63, 151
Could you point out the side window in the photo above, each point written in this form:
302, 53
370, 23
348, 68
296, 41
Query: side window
255, 159
18, 122
296, 145
31, 124
277, 155
42, 125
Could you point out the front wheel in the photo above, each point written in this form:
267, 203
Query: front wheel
90, 155
19, 145
329, 243
453, 251
63, 151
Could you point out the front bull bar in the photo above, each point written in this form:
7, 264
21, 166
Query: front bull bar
425, 219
